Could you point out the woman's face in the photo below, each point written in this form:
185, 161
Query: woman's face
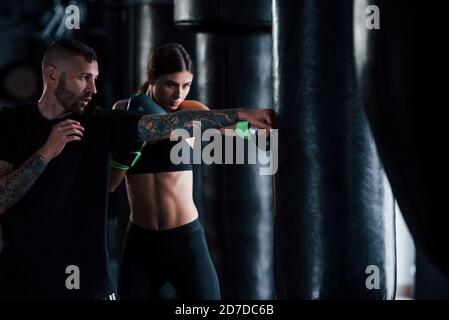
170, 90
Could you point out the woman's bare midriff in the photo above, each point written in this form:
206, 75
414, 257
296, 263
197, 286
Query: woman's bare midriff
161, 201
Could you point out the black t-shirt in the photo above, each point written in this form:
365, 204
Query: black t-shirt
61, 221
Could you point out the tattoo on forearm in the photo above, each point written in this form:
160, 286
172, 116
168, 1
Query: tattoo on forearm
15, 185
157, 127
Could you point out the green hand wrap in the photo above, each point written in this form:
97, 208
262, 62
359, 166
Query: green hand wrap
127, 161
242, 130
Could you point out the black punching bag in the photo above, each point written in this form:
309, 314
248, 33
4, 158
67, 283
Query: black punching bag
403, 70
233, 53
140, 27
334, 209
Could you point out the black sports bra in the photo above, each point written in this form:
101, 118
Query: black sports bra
156, 158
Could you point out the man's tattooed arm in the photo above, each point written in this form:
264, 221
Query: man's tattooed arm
14, 184
160, 126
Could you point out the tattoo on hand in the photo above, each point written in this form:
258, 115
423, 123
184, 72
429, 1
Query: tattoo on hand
15, 185
160, 126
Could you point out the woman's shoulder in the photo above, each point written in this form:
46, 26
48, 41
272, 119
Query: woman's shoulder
193, 104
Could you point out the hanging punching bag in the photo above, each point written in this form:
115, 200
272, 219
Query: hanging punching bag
334, 213
403, 70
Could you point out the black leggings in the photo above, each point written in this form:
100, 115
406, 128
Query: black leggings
179, 256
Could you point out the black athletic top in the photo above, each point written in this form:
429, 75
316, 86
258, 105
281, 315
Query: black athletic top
61, 221
156, 157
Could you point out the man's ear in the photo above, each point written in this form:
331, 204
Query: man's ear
51, 74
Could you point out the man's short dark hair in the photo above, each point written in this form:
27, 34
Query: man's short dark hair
64, 49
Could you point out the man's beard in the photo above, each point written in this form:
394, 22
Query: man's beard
67, 99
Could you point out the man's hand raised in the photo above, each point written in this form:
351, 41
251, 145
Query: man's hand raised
61, 133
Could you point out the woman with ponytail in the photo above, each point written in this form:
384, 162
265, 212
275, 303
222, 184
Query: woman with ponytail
165, 241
